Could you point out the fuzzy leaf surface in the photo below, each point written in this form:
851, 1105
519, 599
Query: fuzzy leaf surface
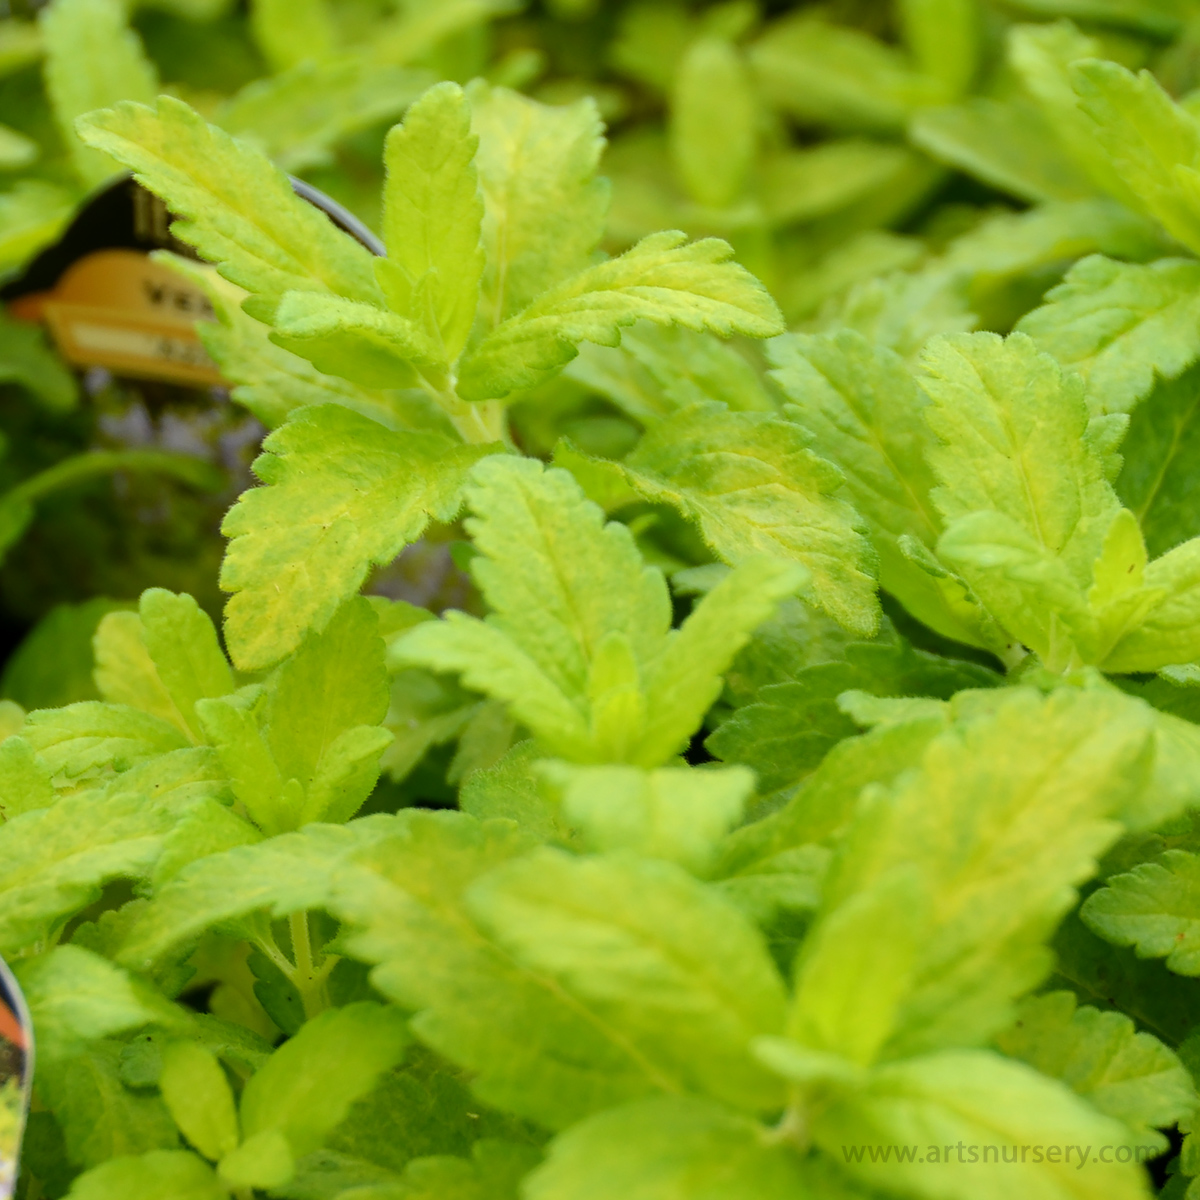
639, 943
752, 486
1125, 1073
1119, 324
234, 207
867, 415
663, 279
341, 495
579, 643
544, 208
433, 213
1154, 908
533, 1051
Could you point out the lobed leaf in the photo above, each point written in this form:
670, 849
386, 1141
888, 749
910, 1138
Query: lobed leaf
1126, 1074
233, 206
532, 1050
1041, 56
639, 944
342, 494
1027, 855
1119, 325
753, 487
433, 216
1156, 480
579, 643
1153, 909
1151, 142
282, 875
868, 416
272, 382
661, 280
544, 208
659, 369
368, 346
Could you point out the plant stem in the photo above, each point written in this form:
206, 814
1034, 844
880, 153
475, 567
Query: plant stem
1013, 655
301, 944
303, 974
476, 423
302, 953
308, 979
479, 423
792, 1128
103, 462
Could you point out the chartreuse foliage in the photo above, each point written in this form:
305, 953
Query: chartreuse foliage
986, 481
491, 214
850, 958
322, 80
579, 643
647, 992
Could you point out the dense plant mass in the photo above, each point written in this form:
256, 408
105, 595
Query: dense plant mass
791, 789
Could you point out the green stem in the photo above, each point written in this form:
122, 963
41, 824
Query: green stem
103, 462
476, 423
301, 944
479, 423
309, 979
303, 974
1013, 655
272, 951
791, 1130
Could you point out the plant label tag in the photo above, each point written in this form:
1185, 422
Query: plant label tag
108, 304
120, 309
16, 1076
